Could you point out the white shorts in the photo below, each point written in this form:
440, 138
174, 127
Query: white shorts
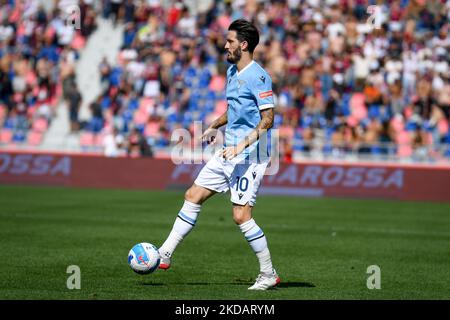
241, 178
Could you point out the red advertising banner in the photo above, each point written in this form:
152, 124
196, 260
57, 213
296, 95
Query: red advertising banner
403, 182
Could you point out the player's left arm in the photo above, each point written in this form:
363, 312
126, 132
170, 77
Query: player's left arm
262, 91
267, 116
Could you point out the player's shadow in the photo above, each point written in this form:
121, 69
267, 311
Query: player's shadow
283, 284
153, 284
295, 284
288, 284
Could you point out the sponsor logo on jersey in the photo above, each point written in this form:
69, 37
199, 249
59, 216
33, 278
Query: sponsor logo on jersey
265, 94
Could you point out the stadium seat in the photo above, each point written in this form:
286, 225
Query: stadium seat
374, 112
146, 104
397, 124
357, 106
151, 129
19, 136
411, 126
408, 112
34, 137
403, 140
403, 137
40, 125
31, 78
287, 132
31, 111
78, 42
447, 153
6, 135
127, 115
221, 107
86, 139
404, 151
443, 126
140, 117
3, 111
429, 137
352, 121
99, 138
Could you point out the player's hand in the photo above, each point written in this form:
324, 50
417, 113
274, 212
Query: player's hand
230, 153
209, 136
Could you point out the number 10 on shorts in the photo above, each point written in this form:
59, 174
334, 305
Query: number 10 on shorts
241, 184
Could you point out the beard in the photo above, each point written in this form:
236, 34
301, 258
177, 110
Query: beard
235, 56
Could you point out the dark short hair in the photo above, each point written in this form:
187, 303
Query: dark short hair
245, 31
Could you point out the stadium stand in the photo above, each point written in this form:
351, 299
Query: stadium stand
343, 88
38, 52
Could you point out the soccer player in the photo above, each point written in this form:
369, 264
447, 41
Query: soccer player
235, 167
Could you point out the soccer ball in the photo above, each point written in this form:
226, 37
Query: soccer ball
144, 258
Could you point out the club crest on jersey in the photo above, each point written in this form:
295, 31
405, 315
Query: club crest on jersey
240, 83
265, 94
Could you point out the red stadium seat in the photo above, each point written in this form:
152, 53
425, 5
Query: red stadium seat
217, 83
30, 111
31, 78
98, 139
358, 107
404, 151
352, 121
140, 117
78, 42
2, 111
40, 125
403, 137
397, 124
221, 107
287, 131
151, 129
87, 139
35, 138
443, 126
146, 104
6, 135
403, 140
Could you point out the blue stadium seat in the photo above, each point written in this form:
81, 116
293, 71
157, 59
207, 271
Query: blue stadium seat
96, 125
411, 126
19, 136
374, 112
327, 149
106, 102
133, 104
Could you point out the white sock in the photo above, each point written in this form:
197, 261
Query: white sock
265, 262
185, 221
258, 242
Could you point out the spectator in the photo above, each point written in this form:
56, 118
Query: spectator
75, 100
138, 146
113, 143
115, 10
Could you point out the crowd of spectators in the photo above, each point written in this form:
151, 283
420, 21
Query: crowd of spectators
343, 83
38, 51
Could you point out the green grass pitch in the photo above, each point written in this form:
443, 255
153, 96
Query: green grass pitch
320, 247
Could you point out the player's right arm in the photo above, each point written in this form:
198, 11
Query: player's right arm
209, 135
